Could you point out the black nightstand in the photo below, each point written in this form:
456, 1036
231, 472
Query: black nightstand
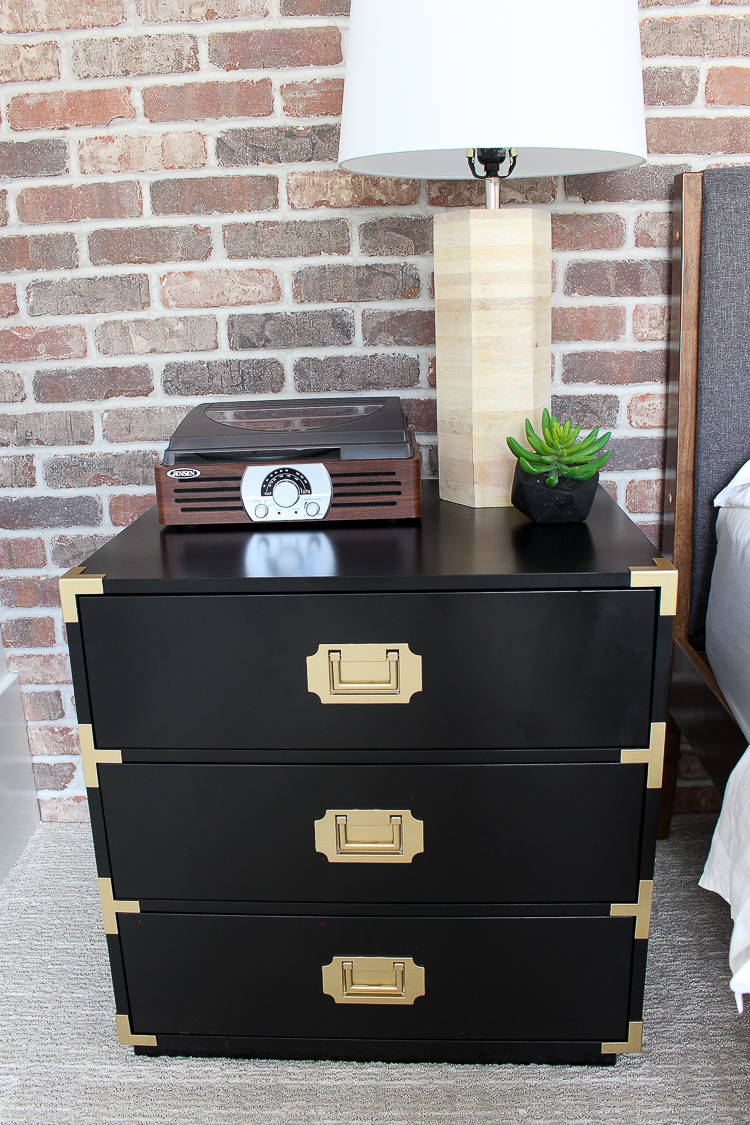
382, 791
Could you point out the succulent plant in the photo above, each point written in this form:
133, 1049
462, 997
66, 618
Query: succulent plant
558, 452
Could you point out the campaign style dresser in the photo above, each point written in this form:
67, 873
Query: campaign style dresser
377, 791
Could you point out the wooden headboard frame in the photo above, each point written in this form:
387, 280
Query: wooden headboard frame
697, 707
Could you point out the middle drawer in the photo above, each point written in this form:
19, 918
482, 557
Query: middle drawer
480, 833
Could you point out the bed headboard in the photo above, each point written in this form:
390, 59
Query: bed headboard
722, 414
709, 408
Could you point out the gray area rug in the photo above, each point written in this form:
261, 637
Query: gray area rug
60, 1062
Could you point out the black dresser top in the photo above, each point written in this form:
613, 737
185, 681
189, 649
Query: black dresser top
451, 547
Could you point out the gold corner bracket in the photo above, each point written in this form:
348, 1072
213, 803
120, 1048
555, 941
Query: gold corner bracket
126, 1037
640, 910
634, 1043
111, 906
663, 574
75, 582
91, 757
652, 755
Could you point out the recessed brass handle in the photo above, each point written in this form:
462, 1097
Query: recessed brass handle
339, 673
369, 836
373, 980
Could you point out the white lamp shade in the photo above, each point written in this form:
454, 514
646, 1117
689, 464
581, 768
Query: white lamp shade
559, 80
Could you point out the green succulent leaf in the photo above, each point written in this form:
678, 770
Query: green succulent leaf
527, 468
559, 453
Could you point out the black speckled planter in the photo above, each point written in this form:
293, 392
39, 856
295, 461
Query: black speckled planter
568, 502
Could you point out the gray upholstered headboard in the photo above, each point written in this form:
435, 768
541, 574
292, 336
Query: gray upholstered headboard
722, 428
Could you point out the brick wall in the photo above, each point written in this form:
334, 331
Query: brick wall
174, 226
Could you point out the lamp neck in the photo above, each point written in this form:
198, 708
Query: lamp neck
492, 193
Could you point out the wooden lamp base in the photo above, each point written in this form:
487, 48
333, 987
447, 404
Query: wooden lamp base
493, 343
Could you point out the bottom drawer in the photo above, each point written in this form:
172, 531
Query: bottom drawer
517, 978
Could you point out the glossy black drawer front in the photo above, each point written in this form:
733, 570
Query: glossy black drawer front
523, 669
491, 833
484, 978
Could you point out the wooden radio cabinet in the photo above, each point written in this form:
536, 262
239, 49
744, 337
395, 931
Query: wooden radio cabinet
382, 791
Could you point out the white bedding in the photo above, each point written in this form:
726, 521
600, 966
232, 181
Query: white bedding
727, 869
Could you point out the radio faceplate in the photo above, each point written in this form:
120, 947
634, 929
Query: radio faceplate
274, 493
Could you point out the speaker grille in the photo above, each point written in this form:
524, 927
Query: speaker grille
212, 494
366, 490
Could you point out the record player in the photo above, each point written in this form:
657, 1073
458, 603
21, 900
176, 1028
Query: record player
291, 460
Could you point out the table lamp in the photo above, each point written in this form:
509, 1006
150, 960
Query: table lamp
491, 88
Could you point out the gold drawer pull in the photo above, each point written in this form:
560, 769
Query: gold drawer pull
369, 836
373, 980
339, 673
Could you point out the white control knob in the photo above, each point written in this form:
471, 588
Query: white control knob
260, 511
312, 508
286, 493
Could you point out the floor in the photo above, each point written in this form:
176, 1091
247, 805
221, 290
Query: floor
60, 1062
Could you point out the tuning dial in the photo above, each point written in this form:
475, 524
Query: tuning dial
285, 493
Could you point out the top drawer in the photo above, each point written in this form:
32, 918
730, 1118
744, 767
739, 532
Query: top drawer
515, 669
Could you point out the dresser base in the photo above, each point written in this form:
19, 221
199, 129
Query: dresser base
377, 1050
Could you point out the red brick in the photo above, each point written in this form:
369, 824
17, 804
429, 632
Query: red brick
596, 322
615, 367
653, 230
163, 153
92, 470
470, 193
199, 101
652, 181
54, 742
421, 413
22, 554
28, 62
411, 328
56, 203
41, 669
8, 300
3, 208
644, 497
64, 810
728, 85
144, 245
42, 157
629, 454
315, 7
670, 85
80, 296
217, 288
73, 550
321, 97
702, 135
135, 55
41, 706
355, 372
222, 195
708, 37
29, 632
157, 337
432, 372
610, 487
53, 775
17, 472
296, 239
343, 189
598, 231
587, 410
68, 110
647, 412
60, 15
618, 279
651, 322
336, 283
38, 252
179, 11
24, 593
92, 384
52, 427
276, 48
125, 508
696, 799
11, 387
152, 423
287, 144
33, 512
22, 343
